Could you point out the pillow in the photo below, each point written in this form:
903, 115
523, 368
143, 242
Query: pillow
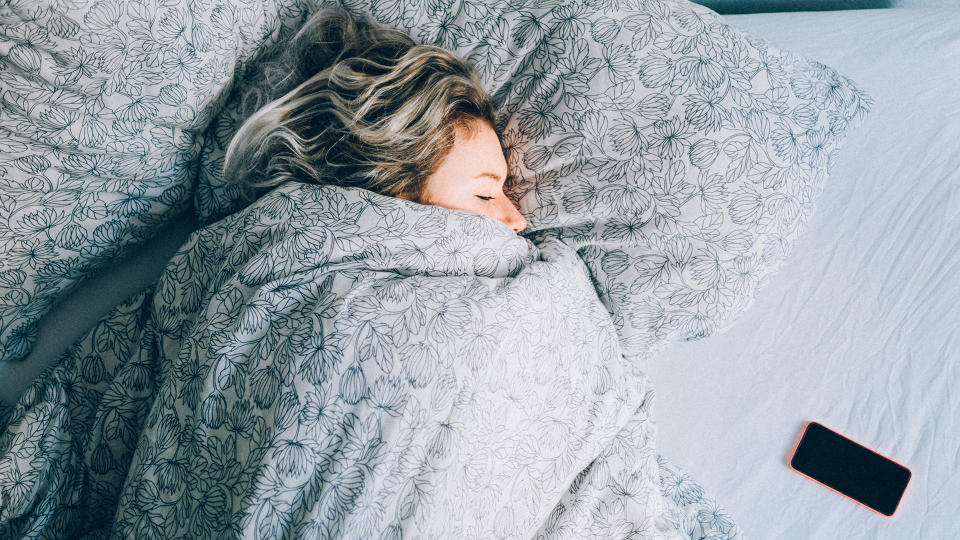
678, 154
102, 109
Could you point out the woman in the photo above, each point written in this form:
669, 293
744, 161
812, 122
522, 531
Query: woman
369, 108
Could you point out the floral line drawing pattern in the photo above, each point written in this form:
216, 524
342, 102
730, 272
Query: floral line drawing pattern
104, 107
295, 373
675, 152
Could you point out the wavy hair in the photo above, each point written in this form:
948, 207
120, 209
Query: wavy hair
359, 105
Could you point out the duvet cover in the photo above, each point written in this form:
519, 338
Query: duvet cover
333, 363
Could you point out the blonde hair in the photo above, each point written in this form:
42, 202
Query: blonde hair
368, 108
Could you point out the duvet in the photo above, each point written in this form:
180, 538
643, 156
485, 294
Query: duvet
330, 362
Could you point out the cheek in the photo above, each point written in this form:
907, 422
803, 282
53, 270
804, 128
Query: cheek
447, 197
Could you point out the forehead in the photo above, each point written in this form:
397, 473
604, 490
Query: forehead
479, 151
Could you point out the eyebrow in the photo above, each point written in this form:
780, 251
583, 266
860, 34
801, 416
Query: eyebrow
490, 175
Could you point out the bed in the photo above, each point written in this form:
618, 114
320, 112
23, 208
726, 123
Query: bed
887, 290
858, 330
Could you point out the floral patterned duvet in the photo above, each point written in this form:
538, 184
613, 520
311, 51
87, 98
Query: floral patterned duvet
330, 362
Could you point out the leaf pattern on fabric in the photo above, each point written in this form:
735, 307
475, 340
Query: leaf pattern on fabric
103, 111
666, 158
600, 104
348, 391
632, 126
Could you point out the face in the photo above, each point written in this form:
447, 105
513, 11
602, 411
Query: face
472, 177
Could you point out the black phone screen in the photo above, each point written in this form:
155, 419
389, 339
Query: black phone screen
850, 468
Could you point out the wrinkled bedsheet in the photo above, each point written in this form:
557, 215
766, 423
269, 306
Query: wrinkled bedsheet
330, 362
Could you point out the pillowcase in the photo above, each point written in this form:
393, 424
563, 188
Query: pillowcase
103, 105
678, 154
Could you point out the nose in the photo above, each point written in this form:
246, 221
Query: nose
512, 217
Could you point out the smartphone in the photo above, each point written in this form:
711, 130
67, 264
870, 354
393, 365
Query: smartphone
851, 469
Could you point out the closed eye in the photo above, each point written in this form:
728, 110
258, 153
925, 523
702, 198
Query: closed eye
484, 198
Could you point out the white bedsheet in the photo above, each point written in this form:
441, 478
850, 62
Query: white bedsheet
859, 328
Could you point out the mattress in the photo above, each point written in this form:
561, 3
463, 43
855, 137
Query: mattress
858, 328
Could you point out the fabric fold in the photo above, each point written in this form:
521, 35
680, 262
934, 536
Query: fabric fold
334, 363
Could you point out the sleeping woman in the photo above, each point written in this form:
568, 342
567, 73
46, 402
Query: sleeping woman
363, 106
